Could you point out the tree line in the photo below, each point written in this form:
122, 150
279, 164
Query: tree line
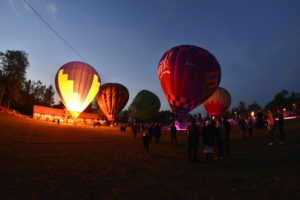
18, 92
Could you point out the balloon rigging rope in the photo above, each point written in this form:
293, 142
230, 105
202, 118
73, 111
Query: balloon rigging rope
54, 31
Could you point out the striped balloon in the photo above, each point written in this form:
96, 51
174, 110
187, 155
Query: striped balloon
218, 103
111, 99
77, 84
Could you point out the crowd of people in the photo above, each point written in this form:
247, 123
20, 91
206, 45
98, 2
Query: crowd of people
215, 134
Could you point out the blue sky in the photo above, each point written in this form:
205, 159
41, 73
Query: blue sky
257, 43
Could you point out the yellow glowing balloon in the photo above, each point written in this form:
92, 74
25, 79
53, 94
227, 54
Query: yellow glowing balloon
77, 84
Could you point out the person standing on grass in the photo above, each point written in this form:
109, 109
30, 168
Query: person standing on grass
146, 138
157, 132
242, 125
220, 140
271, 127
209, 135
280, 126
134, 130
227, 133
193, 139
138, 128
151, 131
173, 134
250, 125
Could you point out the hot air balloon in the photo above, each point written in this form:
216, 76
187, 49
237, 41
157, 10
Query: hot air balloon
218, 103
145, 105
111, 99
188, 75
77, 84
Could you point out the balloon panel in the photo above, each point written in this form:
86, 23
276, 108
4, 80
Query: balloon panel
218, 103
145, 105
77, 84
189, 75
111, 99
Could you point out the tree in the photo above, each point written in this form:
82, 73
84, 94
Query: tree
48, 98
254, 107
13, 72
242, 108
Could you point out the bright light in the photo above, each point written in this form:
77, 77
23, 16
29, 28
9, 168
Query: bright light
284, 109
72, 100
252, 113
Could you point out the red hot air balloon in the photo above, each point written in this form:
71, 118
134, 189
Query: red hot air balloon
111, 99
218, 103
189, 75
77, 84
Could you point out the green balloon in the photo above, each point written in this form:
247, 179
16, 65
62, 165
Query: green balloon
145, 105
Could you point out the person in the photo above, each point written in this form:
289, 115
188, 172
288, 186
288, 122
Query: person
250, 125
142, 128
220, 139
58, 121
242, 126
138, 128
271, 126
280, 126
209, 136
173, 133
134, 130
151, 131
193, 139
227, 133
146, 139
157, 132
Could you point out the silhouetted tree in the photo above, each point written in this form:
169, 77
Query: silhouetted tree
254, 107
13, 71
242, 108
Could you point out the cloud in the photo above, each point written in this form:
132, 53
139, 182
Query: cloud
51, 9
19, 6
14, 5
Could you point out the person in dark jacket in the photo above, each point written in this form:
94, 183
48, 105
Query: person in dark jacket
173, 133
242, 125
227, 132
250, 125
221, 139
146, 138
209, 135
157, 132
193, 140
151, 131
280, 126
134, 130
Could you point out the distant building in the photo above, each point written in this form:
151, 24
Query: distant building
53, 114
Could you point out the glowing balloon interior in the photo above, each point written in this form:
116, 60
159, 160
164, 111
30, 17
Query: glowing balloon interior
77, 84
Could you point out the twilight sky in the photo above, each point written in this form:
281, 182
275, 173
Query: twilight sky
257, 42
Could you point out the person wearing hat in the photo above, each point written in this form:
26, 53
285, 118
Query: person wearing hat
193, 139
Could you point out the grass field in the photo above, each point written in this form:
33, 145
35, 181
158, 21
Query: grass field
39, 160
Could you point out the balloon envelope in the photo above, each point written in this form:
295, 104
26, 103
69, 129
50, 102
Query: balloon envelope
218, 103
111, 99
77, 84
189, 75
145, 105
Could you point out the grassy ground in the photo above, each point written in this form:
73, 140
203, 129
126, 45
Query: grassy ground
39, 160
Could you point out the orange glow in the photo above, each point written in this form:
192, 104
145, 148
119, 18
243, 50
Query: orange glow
252, 114
72, 100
